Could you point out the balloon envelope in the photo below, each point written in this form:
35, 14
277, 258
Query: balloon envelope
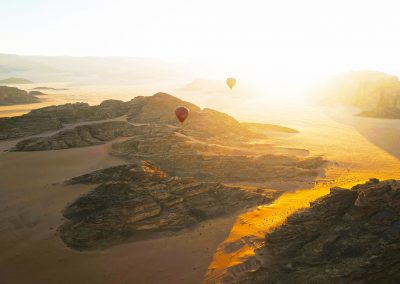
231, 82
181, 113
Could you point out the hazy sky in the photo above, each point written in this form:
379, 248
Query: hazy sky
290, 38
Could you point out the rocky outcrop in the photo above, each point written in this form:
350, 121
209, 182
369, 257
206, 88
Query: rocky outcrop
53, 117
363, 89
160, 109
382, 112
157, 109
81, 136
348, 236
50, 89
264, 127
140, 200
210, 123
36, 93
20, 126
180, 155
210, 146
70, 113
377, 93
15, 96
13, 80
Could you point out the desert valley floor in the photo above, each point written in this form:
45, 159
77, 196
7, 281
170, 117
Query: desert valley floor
34, 194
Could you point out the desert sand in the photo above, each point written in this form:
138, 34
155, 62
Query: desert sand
339, 137
33, 197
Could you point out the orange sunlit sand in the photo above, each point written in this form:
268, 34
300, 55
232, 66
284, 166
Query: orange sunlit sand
360, 160
186, 142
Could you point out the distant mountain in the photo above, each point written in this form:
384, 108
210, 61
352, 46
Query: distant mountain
36, 93
375, 92
13, 80
205, 85
51, 89
15, 96
92, 69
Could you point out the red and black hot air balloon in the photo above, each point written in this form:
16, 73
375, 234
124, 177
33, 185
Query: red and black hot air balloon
181, 113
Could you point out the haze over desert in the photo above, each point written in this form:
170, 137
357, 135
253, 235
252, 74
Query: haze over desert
199, 142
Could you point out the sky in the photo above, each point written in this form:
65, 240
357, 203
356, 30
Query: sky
300, 40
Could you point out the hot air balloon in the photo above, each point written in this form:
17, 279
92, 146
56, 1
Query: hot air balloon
181, 113
231, 82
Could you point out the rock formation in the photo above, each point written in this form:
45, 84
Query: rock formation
53, 117
70, 113
348, 236
182, 155
264, 127
80, 136
13, 80
15, 96
179, 155
377, 93
211, 146
157, 109
36, 93
382, 112
160, 108
50, 89
140, 200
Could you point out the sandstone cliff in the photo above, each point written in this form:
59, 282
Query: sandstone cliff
53, 117
15, 96
210, 146
140, 200
80, 136
13, 80
180, 155
156, 109
375, 92
348, 236
160, 109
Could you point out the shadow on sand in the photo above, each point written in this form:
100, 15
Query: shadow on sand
383, 133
